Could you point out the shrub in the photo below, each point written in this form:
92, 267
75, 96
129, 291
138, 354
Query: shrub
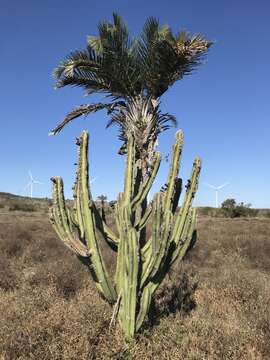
231, 209
176, 295
8, 278
209, 211
14, 242
19, 206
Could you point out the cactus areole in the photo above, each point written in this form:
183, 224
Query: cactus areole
142, 263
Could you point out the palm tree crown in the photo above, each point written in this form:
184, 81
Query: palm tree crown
132, 73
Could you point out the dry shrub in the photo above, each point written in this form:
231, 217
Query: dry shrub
8, 277
70, 278
46, 247
21, 206
175, 295
13, 242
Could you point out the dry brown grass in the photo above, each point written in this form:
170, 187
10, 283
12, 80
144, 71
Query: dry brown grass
215, 305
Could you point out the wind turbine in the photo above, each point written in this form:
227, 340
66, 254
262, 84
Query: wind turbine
217, 188
31, 183
94, 179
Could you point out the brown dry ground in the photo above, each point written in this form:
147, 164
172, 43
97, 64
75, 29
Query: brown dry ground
215, 305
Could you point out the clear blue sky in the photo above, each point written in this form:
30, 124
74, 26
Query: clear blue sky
223, 108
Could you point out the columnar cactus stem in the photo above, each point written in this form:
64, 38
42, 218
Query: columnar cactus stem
86, 222
129, 172
174, 170
141, 265
62, 223
143, 192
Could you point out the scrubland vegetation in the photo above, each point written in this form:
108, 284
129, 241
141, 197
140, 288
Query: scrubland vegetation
215, 305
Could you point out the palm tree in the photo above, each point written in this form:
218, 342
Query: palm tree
102, 198
133, 74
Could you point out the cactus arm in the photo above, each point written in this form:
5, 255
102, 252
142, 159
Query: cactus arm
132, 257
104, 284
146, 250
129, 171
144, 220
182, 215
108, 235
60, 220
128, 275
58, 229
157, 224
161, 255
119, 267
72, 218
60, 200
155, 241
159, 241
174, 169
145, 303
183, 246
116, 212
77, 205
120, 255
142, 194
177, 194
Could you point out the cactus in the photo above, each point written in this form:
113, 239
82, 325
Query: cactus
142, 263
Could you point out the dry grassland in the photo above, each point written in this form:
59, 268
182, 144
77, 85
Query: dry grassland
215, 305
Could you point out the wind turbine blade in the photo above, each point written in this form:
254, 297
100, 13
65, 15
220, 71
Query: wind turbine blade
30, 174
222, 186
38, 182
92, 180
211, 186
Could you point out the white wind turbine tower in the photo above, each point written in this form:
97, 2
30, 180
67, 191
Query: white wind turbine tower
217, 188
31, 183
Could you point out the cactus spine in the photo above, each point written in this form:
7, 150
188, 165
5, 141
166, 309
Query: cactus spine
141, 264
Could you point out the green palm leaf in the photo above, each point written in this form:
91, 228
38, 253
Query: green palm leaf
82, 110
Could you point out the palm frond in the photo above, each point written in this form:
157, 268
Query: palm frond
166, 58
114, 36
165, 33
80, 58
82, 110
95, 43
